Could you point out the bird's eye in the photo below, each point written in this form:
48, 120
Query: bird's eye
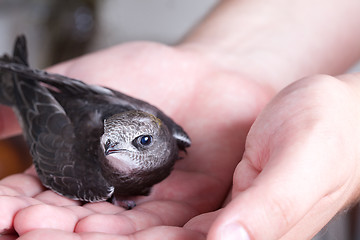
142, 141
145, 140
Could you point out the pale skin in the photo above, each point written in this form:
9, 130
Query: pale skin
299, 162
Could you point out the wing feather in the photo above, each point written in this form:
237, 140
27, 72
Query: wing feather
51, 137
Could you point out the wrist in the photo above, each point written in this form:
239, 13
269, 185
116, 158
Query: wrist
280, 42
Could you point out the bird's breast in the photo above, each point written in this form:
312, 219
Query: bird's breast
122, 162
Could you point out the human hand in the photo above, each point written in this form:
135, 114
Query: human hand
300, 165
215, 102
215, 106
299, 169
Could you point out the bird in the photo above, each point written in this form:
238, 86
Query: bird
88, 142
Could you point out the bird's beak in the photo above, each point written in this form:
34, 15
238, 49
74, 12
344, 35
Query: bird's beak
111, 148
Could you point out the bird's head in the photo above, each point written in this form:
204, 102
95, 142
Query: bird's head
136, 140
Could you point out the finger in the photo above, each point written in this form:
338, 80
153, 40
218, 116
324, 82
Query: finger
20, 184
52, 198
104, 208
244, 175
45, 216
9, 206
8, 237
275, 199
43, 234
203, 222
171, 233
8, 123
163, 232
146, 215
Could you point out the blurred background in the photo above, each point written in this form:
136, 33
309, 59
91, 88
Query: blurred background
61, 29
58, 30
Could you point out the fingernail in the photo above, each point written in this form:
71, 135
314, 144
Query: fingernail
234, 231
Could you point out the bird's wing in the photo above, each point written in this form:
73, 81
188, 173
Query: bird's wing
50, 135
49, 132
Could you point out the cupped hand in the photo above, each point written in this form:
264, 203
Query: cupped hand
300, 166
214, 105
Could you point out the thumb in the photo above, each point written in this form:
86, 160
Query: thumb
287, 197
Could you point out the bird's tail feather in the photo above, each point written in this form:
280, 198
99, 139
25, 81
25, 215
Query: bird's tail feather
20, 54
